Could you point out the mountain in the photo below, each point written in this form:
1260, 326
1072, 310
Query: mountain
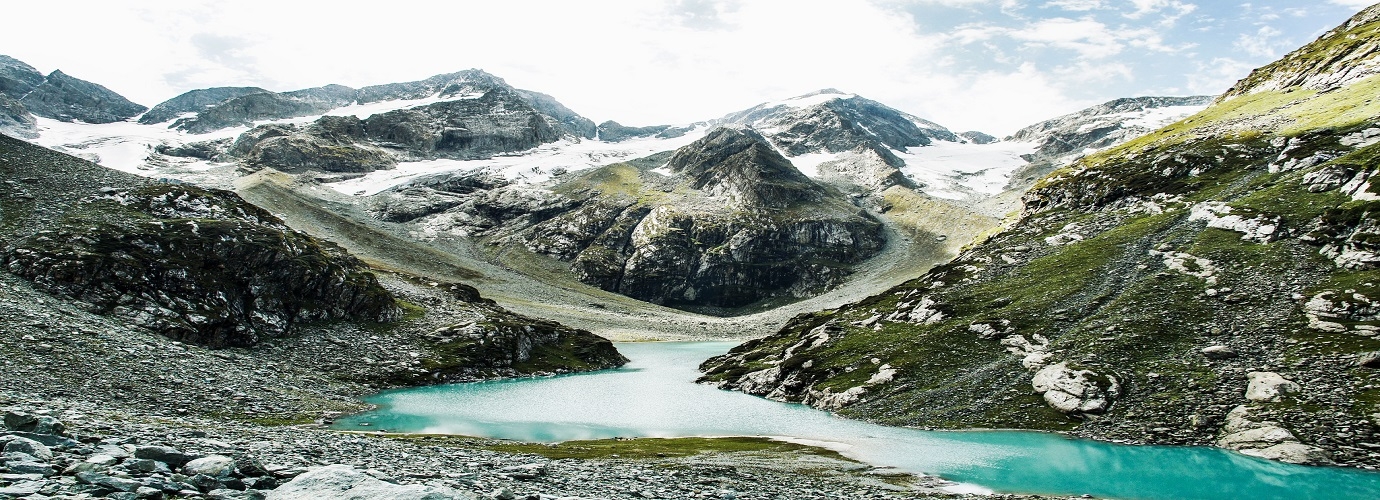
24, 92
194, 101
857, 137
207, 268
723, 222
1061, 140
1213, 282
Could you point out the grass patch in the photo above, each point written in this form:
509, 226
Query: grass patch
651, 448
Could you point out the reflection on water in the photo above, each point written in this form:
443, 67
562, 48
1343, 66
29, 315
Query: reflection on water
655, 397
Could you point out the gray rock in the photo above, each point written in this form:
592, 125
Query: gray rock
1219, 352
22, 488
1269, 386
30, 447
62, 97
194, 101
345, 483
147, 465
1369, 360
165, 454
31, 468
228, 494
217, 466
149, 493
114, 483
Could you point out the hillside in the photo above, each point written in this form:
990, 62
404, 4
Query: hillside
1209, 283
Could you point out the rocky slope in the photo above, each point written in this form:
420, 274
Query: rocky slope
723, 222
865, 132
24, 92
1066, 138
194, 101
205, 267
1210, 283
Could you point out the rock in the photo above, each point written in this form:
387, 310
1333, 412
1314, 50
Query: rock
1075, 391
39, 468
1369, 360
1266, 440
1269, 386
345, 483
228, 494
194, 101
114, 483
29, 447
1219, 352
204, 482
167, 455
217, 466
526, 471
62, 97
149, 493
1294, 453
155, 269
22, 488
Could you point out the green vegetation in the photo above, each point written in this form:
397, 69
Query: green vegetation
647, 448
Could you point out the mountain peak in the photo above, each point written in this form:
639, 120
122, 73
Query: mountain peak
1346, 54
738, 163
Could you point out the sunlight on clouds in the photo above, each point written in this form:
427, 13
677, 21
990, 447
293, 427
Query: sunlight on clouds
1076, 5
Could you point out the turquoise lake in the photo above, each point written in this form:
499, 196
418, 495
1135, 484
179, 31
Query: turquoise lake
655, 396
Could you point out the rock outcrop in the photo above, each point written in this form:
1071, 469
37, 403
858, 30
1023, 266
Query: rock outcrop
196, 265
194, 101
65, 98
242, 111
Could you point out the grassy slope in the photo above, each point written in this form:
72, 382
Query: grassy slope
1107, 304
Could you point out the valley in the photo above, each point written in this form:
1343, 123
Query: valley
456, 288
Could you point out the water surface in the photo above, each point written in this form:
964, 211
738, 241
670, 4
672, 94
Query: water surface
654, 396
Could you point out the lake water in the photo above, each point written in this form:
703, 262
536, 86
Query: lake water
654, 396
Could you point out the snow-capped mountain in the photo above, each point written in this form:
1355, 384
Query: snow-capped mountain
1061, 140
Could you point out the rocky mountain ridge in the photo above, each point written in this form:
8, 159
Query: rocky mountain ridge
1209, 283
24, 93
1066, 138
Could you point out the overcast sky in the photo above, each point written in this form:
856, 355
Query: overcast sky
990, 65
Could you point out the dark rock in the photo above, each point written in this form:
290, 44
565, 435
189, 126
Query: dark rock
194, 101
17, 79
16, 121
167, 455
612, 131
1219, 352
1369, 360
196, 265
62, 97
976, 137
246, 109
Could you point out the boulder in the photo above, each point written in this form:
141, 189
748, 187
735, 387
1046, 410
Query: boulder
1219, 352
1266, 440
1269, 386
167, 455
217, 466
1369, 360
343, 482
1075, 391
29, 447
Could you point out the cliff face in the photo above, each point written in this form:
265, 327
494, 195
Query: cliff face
196, 265
1213, 282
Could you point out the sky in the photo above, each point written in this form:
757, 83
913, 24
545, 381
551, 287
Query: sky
987, 65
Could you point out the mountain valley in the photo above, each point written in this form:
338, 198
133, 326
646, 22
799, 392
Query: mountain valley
232, 270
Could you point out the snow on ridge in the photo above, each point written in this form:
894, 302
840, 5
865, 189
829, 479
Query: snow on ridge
809, 100
534, 166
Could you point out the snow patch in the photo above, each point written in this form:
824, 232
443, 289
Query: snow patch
960, 171
806, 101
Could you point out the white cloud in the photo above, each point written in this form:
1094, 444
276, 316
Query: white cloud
1216, 76
1090, 38
1171, 10
1262, 44
1077, 5
1355, 4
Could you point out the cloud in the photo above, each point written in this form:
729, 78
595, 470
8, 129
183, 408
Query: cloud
1355, 4
1262, 44
1090, 38
1216, 76
1171, 10
1076, 5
